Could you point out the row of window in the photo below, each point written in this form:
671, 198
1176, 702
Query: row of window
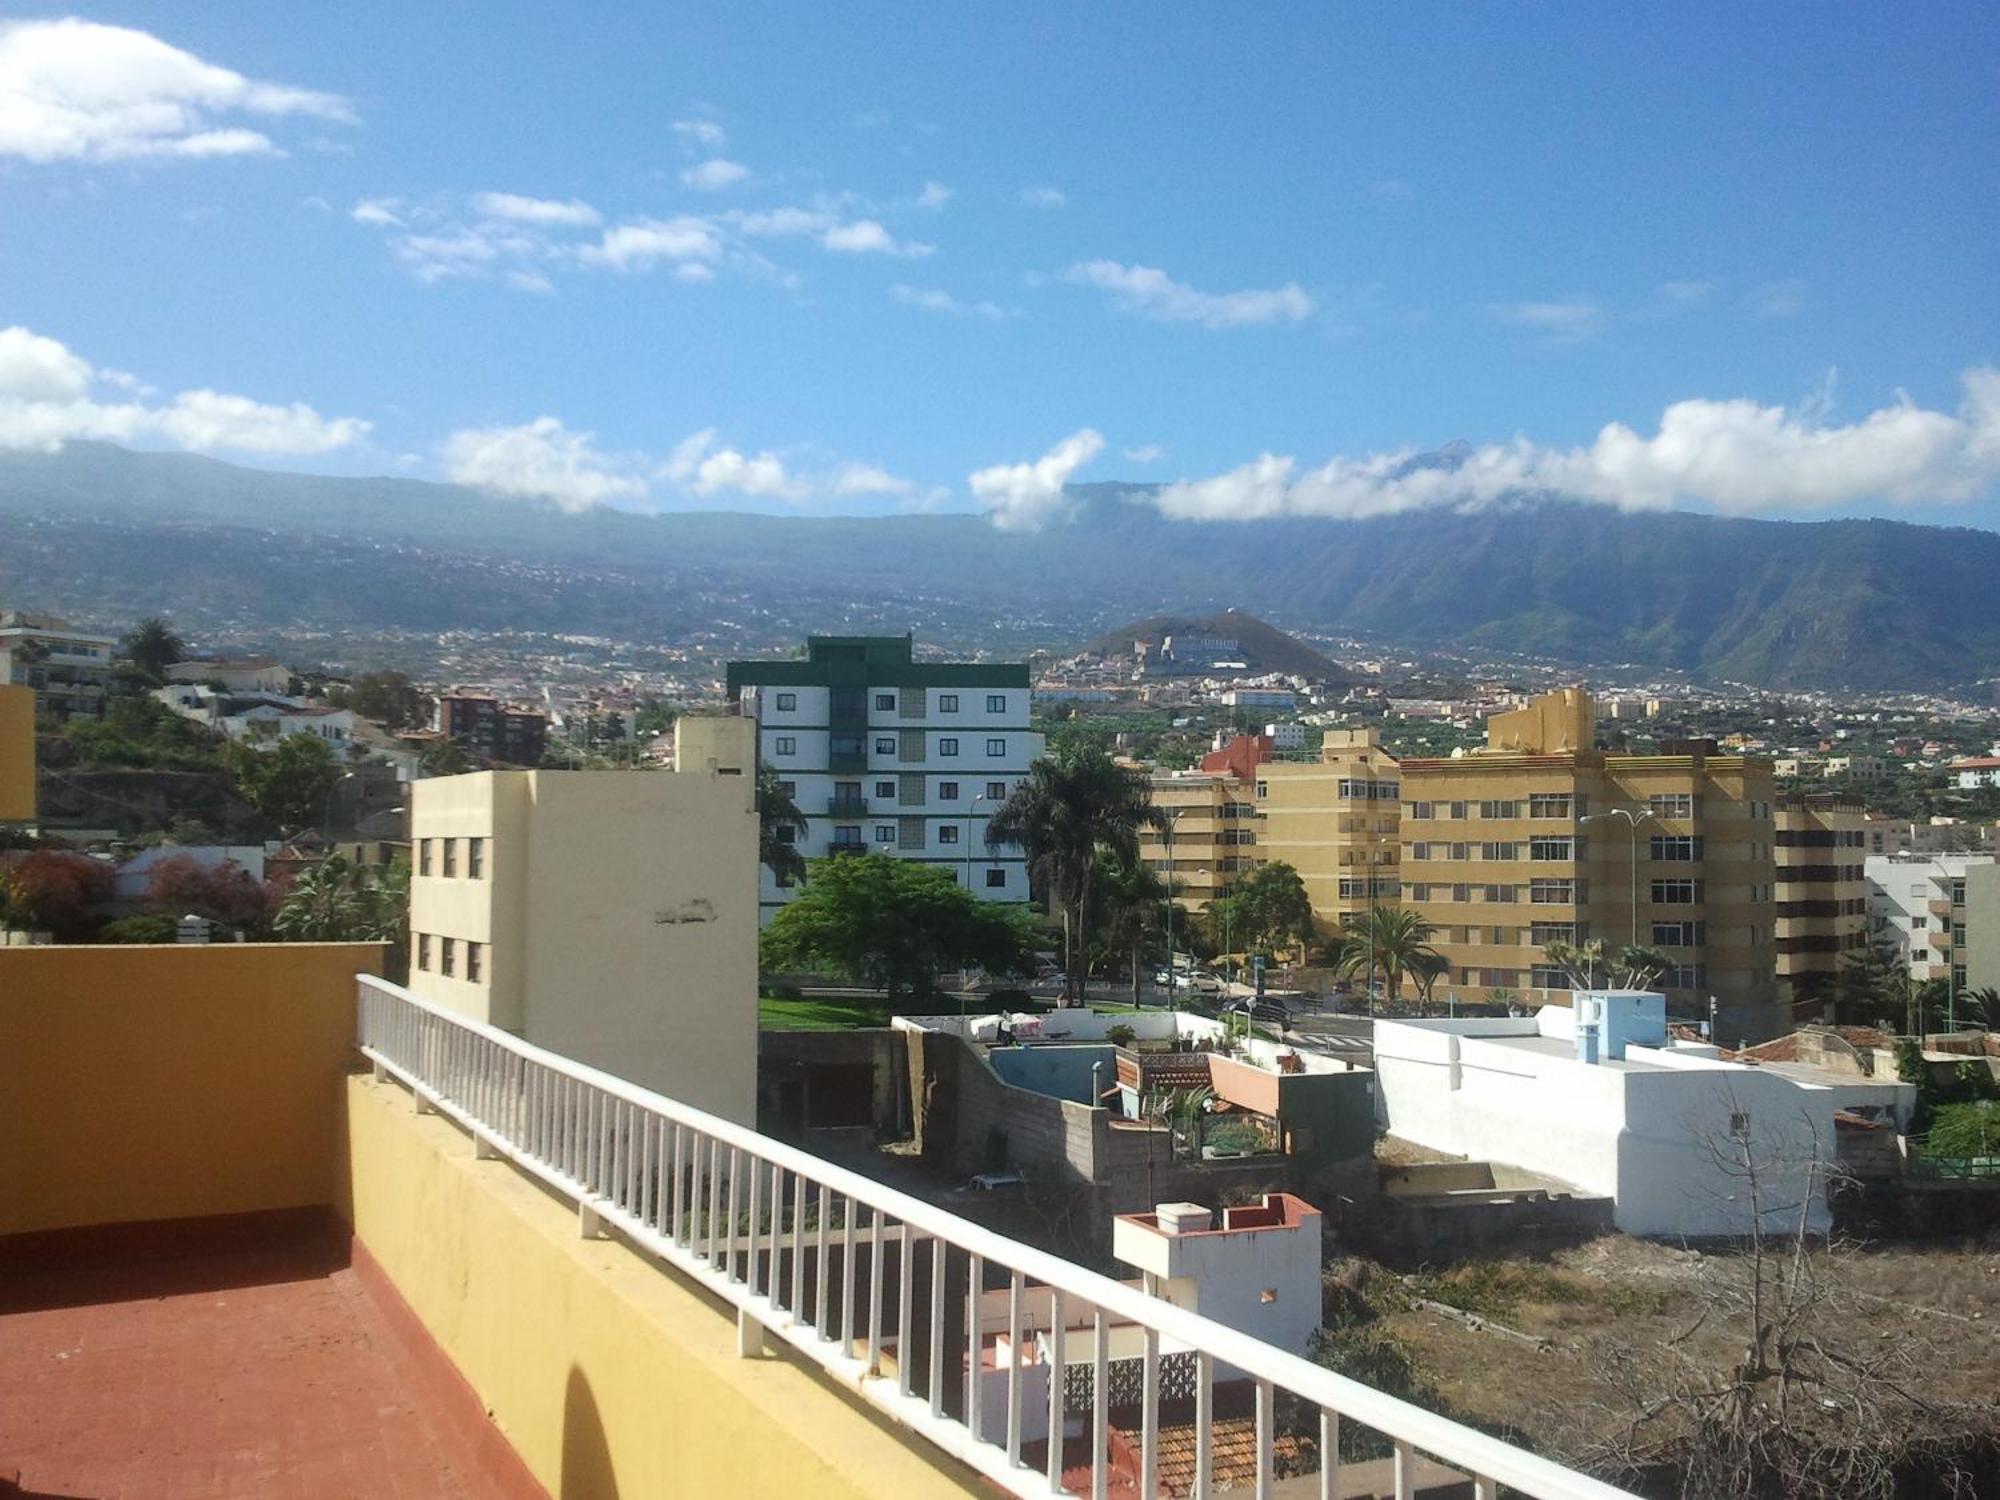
944, 791
1821, 838
1541, 934
1538, 805
1549, 977
1540, 892
447, 951
1363, 890
440, 857
996, 703
886, 744
1559, 848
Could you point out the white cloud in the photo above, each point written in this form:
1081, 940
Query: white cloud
1562, 321
1023, 496
76, 90
717, 172
1145, 453
636, 246
46, 399
935, 195
1736, 456
866, 237
779, 223
704, 133
512, 206
539, 460
1044, 197
377, 211
698, 465
1779, 299
932, 299
866, 479
1152, 293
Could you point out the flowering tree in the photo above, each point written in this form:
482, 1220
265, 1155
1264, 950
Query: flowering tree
54, 890
225, 893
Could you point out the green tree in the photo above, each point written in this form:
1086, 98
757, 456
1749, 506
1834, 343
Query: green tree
445, 757
289, 783
1873, 988
1389, 939
390, 699
152, 647
1076, 807
1267, 909
780, 825
892, 924
1131, 904
338, 901
1426, 969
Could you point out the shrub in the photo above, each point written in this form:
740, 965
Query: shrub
154, 929
1121, 1035
775, 991
1959, 1131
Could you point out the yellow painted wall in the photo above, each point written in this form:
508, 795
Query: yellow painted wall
17, 753
608, 1375
172, 1082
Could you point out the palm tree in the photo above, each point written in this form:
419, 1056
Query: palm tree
1427, 969
324, 905
776, 812
152, 647
1388, 939
1075, 808
1131, 898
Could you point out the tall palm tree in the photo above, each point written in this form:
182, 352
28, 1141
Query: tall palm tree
152, 647
1389, 939
775, 812
1131, 898
1075, 808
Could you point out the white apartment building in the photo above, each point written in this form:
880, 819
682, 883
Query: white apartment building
885, 753
1917, 902
70, 670
1284, 700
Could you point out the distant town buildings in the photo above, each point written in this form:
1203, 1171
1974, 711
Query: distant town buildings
492, 729
69, 670
883, 752
257, 718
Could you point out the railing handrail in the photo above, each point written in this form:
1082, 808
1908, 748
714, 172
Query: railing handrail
1453, 1442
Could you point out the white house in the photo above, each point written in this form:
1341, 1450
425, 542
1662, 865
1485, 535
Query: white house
247, 674
1684, 1142
1258, 1271
259, 719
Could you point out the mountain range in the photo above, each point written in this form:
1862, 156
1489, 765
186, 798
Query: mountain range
104, 533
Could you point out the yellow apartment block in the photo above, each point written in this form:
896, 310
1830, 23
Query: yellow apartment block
1212, 837
1335, 821
608, 915
17, 753
1538, 836
1822, 891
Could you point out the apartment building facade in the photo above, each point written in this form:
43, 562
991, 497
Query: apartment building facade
494, 730
883, 752
1917, 903
1336, 821
1822, 913
1539, 837
69, 670
1211, 835
607, 915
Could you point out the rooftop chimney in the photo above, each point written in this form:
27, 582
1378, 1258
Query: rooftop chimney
1182, 1218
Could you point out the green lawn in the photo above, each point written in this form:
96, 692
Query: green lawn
820, 1013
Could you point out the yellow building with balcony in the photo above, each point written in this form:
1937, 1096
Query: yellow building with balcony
1335, 820
1211, 834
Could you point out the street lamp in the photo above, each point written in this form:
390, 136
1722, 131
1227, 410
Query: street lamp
970, 813
1173, 816
1633, 817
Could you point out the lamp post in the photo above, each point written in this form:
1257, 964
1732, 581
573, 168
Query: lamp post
1633, 817
970, 813
1173, 816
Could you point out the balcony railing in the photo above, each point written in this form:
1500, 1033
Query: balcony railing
848, 806
763, 1226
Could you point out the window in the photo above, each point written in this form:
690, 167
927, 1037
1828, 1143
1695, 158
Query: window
996, 703
1548, 804
1457, 809
1958, 893
1501, 809
1676, 892
1685, 977
788, 703
885, 833
788, 833
885, 788
423, 856
947, 833
1549, 977
1675, 848
847, 836
885, 702
450, 862
1496, 851
947, 791
996, 880
947, 703
475, 858
1552, 932
1545, 847
996, 791
1674, 805
1263, 790
788, 788
996, 747
1552, 892
424, 951
1420, 809
785, 744
475, 962
1679, 934
447, 956
885, 744
947, 747
1420, 892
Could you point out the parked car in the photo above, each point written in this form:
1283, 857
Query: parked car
1269, 1011
1201, 982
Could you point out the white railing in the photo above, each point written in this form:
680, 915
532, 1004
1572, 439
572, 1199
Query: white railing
830, 1262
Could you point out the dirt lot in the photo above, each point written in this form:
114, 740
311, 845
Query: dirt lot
1578, 1307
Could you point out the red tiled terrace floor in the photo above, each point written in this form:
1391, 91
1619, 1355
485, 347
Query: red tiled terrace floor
267, 1367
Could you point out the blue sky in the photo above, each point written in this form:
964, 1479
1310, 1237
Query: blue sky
867, 258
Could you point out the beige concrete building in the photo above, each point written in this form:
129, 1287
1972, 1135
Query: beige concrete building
723, 743
1822, 910
1335, 821
610, 916
1212, 839
1540, 836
